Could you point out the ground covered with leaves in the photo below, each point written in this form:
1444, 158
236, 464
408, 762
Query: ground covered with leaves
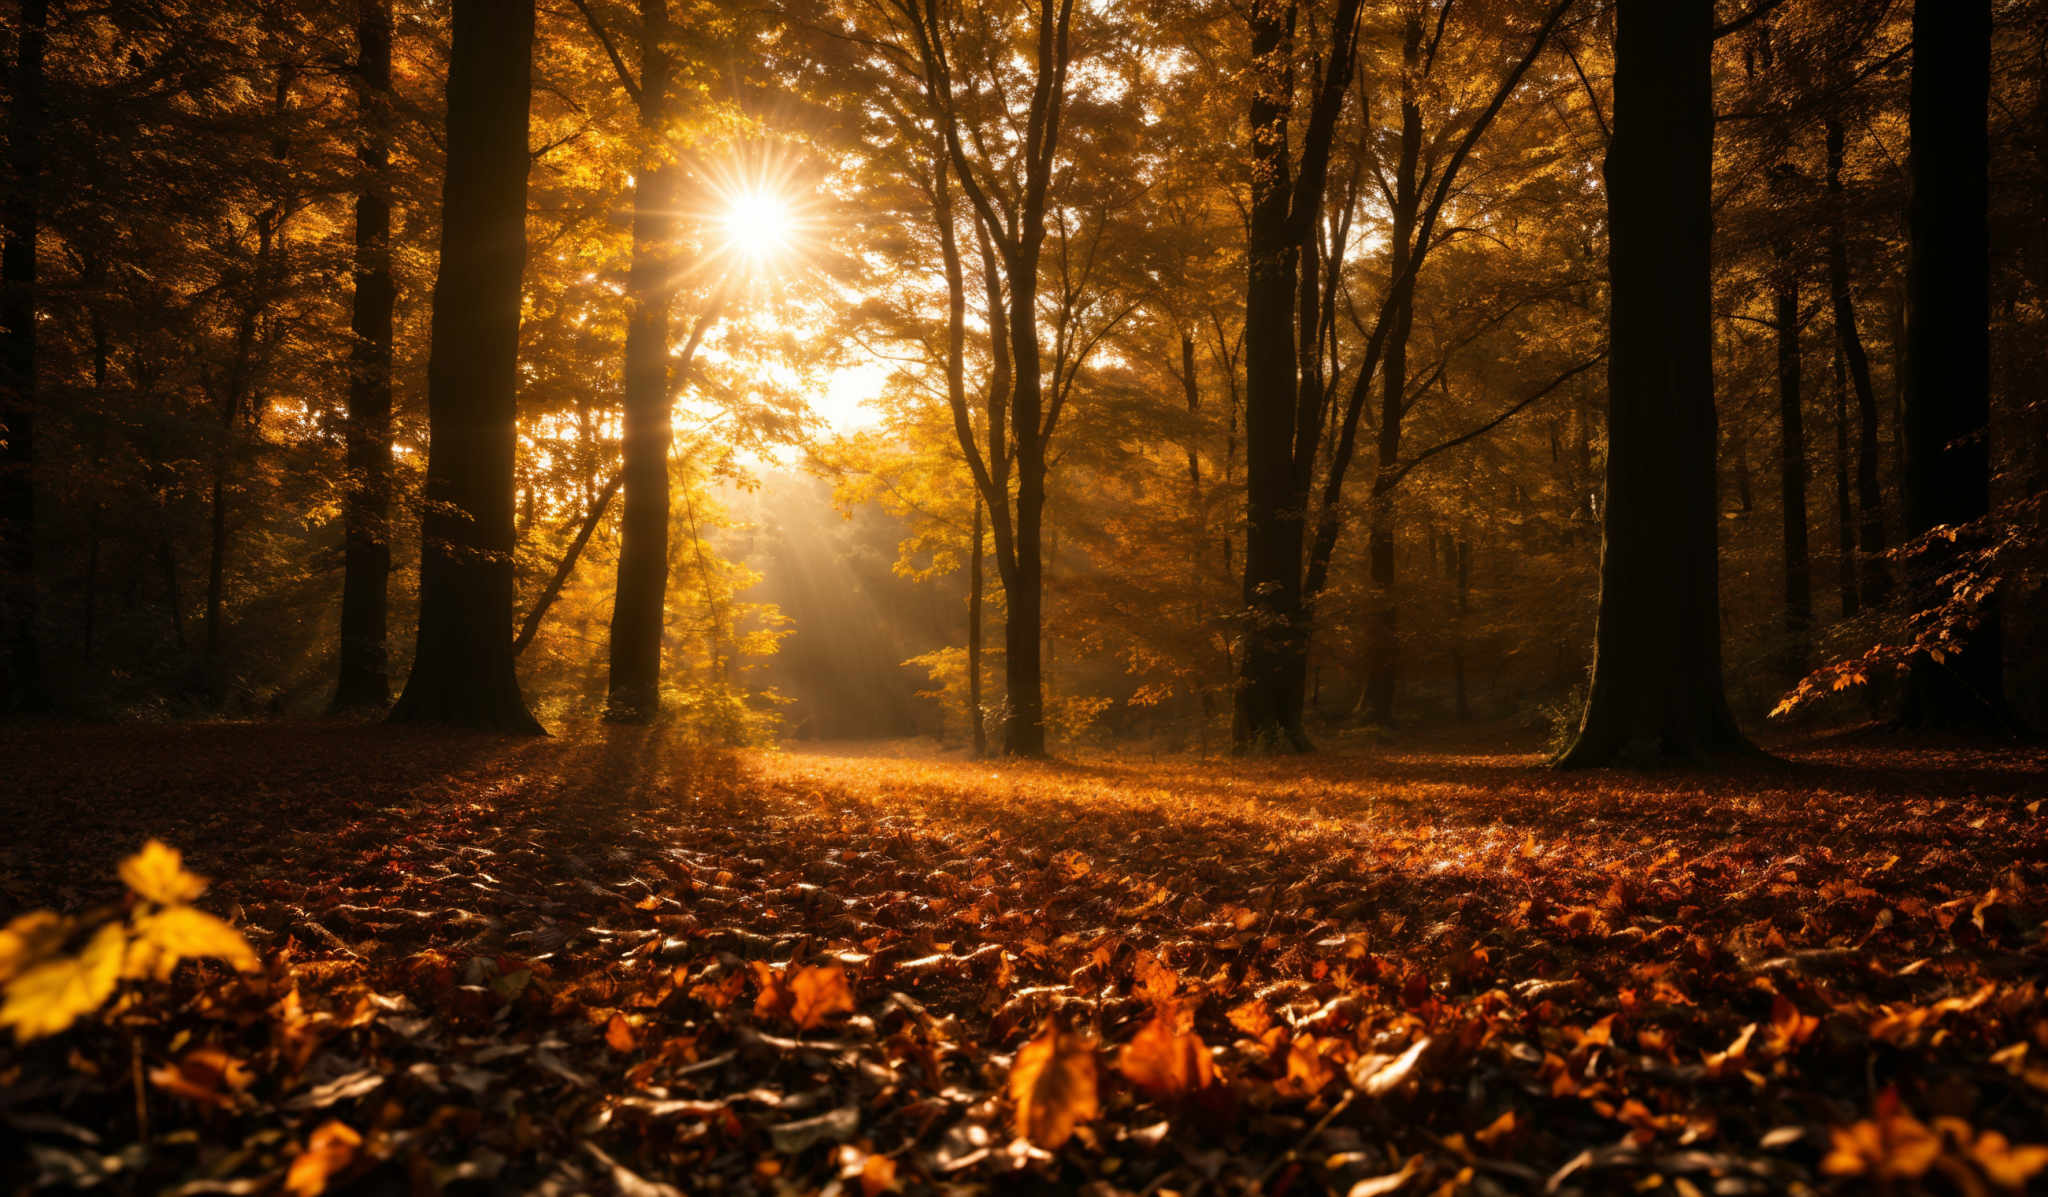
608, 961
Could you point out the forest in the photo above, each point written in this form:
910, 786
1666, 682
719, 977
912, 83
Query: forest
944, 596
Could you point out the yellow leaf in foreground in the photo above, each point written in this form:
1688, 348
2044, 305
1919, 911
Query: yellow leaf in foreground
50, 996
157, 874
1053, 1084
180, 932
28, 939
331, 1149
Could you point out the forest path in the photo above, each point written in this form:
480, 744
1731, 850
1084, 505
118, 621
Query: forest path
533, 964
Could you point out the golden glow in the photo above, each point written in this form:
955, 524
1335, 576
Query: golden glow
759, 224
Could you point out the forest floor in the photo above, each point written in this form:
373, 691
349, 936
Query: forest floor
606, 960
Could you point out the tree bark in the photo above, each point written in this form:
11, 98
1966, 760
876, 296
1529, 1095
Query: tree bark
1873, 579
1382, 641
1793, 469
21, 685
1948, 351
1657, 686
365, 678
976, 729
642, 592
462, 671
1845, 505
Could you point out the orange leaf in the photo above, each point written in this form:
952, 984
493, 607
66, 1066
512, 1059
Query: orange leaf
1165, 1063
618, 1033
877, 1175
206, 1075
817, 993
331, 1149
1053, 1084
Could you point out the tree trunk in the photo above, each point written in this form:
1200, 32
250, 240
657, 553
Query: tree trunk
1792, 470
643, 527
1657, 686
1874, 580
463, 670
21, 683
1269, 698
1463, 556
1948, 354
974, 588
365, 680
1382, 640
1845, 507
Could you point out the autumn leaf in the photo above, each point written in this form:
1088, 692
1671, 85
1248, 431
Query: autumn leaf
182, 932
1165, 1063
1053, 1085
330, 1149
48, 997
157, 874
30, 938
2007, 1164
1892, 1145
618, 1035
1379, 1075
816, 993
205, 1075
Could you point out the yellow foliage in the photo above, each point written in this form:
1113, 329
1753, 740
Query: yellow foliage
51, 995
182, 932
44, 989
157, 874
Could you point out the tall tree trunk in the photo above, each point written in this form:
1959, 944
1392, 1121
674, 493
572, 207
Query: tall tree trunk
1874, 580
1023, 627
1793, 469
975, 726
1948, 353
1845, 506
1269, 697
1463, 556
1657, 685
643, 527
21, 685
365, 679
1382, 640
462, 672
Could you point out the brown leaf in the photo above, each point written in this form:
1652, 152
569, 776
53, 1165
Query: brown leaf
1053, 1084
1165, 1063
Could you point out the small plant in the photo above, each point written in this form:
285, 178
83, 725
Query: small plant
55, 969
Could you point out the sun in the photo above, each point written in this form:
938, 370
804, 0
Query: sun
759, 223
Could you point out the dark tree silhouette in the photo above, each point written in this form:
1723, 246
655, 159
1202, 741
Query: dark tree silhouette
1657, 687
21, 685
1948, 341
365, 679
462, 670
641, 598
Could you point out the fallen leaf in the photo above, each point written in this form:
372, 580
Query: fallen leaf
1052, 1083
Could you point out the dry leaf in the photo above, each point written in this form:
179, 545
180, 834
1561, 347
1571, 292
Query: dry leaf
1053, 1085
331, 1149
1164, 1063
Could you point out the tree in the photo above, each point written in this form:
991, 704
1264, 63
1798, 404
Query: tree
366, 563
635, 689
1948, 344
1008, 195
1282, 402
1657, 686
1873, 581
463, 667
21, 685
